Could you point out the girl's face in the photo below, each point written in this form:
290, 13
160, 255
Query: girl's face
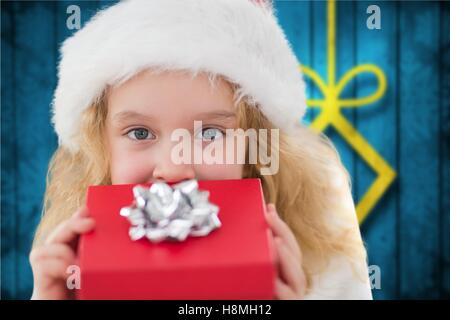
143, 113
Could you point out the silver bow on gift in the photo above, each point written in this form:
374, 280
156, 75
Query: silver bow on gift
164, 212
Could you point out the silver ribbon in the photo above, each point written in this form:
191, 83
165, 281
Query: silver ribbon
163, 212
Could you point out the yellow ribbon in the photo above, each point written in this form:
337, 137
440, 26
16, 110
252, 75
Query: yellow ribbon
330, 114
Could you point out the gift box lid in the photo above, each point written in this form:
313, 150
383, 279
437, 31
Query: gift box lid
239, 251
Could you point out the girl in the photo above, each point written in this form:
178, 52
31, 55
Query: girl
140, 70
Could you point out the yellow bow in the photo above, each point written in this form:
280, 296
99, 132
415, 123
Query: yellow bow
330, 114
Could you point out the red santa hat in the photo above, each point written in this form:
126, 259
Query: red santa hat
238, 39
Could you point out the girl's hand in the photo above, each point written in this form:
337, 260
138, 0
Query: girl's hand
291, 281
50, 261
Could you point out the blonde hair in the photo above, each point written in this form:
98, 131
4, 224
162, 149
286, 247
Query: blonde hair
302, 190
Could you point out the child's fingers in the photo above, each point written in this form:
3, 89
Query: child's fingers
51, 268
272, 237
69, 230
283, 291
56, 250
290, 269
82, 212
281, 229
50, 265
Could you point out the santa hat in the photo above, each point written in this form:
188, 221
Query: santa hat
238, 39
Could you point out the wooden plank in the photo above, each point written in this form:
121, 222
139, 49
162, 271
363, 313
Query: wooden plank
377, 123
444, 159
87, 10
419, 148
35, 72
8, 154
102, 4
294, 18
318, 55
344, 44
345, 60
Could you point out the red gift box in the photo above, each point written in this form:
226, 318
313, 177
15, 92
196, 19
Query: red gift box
235, 261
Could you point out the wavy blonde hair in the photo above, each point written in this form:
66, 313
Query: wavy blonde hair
303, 190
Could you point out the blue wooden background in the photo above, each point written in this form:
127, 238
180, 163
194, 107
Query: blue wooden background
407, 233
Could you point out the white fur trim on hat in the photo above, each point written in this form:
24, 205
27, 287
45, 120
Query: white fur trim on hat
237, 39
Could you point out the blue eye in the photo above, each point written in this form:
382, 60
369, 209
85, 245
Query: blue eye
139, 134
210, 134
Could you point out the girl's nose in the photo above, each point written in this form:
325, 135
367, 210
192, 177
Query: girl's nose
173, 173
